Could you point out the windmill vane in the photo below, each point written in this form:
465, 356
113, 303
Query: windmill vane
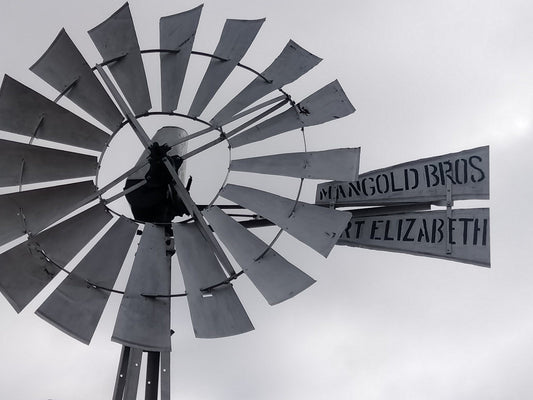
388, 209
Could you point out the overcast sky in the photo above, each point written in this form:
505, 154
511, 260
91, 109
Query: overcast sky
427, 78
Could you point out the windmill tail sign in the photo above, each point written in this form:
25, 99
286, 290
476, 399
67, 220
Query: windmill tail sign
401, 191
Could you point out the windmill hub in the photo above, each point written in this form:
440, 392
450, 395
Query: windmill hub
156, 200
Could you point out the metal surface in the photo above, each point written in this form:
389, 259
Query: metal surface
152, 376
217, 313
343, 164
26, 112
236, 38
272, 275
293, 62
41, 164
33, 210
144, 322
176, 32
120, 381
76, 307
425, 233
62, 65
165, 375
132, 374
317, 227
115, 38
25, 271
324, 105
422, 180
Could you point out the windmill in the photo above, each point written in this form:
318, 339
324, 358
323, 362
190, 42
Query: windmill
143, 322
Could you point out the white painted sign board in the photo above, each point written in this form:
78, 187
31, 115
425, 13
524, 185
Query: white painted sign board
464, 237
422, 180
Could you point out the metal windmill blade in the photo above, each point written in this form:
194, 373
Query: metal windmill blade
324, 105
341, 163
236, 38
213, 246
22, 164
32, 211
26, 112
27, 268
176, 34
76, 305
293, 62
143, 321
318, 227
217, 313
64, 68
274, 277
67, 228
116, 40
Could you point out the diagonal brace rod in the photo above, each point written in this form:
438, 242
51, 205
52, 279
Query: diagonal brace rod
202, 225
137, 128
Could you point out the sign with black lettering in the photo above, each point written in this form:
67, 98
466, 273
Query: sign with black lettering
463, 237
415, 181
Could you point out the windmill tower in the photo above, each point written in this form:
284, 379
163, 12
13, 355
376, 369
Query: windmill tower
115, 92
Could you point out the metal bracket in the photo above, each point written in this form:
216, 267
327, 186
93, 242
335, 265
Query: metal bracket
95, 286
39, 124
21, 174
67, 89
224, 282
269, 81
333, 197
293, 210
157, 374
114, 59
449, 205
260, 256
23, 219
